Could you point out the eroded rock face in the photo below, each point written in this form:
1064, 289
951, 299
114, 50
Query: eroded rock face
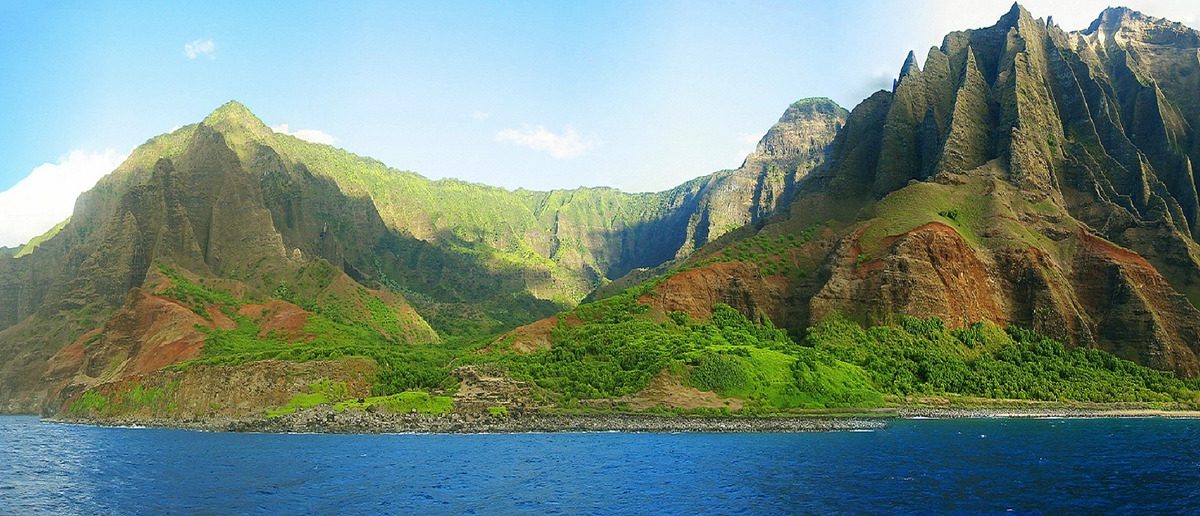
930, 270
1132, 309
737, 284
148, 333
481, 389
210, 391
766, 182
1105, 296
667, 390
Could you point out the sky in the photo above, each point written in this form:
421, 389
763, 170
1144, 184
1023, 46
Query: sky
639, 95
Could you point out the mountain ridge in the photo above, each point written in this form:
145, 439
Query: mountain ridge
471, 257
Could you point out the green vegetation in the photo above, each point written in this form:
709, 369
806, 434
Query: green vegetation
918, 204
40, 239
498, 411
137, 399
818, 103
770, 253
618, 349
402, 367
319, 393
984, 213
320, 288
91, 402
922, 357
822, 380
772, 379
618, 345
194, 295
353, 324
405, 402
152, 398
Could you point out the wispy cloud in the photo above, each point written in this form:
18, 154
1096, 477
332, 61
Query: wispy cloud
747, 143
47, 195
309, 135
569, 144
481, 115
200, 47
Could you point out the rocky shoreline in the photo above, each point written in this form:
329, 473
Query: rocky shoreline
326, 420
1040, 412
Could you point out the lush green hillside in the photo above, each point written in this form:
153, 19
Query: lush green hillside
612, 352
614, 347
230, 201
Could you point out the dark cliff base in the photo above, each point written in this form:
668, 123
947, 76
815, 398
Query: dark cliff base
323, 420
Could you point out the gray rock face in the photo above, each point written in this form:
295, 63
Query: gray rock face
766, 181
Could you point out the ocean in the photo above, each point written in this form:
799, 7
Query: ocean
972, 465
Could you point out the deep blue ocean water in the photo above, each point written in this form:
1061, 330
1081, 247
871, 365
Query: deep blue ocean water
1047, 465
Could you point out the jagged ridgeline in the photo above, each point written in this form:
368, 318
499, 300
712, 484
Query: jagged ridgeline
227, 229
1022, 175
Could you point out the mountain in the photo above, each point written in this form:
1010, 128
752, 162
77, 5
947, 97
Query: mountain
225, 224
1022, 176
1015, 219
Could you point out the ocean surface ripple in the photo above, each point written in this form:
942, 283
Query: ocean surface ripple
988, 465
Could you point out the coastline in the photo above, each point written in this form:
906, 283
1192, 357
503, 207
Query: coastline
328, 421
325, 420
1042, 412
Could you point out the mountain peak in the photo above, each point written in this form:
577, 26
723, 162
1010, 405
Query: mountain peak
1014, 16
794, 136
1111, 19
1016, 11
235, 115
909, 67
811, 107
910, 64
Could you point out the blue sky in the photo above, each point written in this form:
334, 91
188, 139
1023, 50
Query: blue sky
637, 95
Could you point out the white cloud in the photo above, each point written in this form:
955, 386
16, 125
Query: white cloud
47, 195
308, 135
200, 47
481, 115
569, 144
747, 143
